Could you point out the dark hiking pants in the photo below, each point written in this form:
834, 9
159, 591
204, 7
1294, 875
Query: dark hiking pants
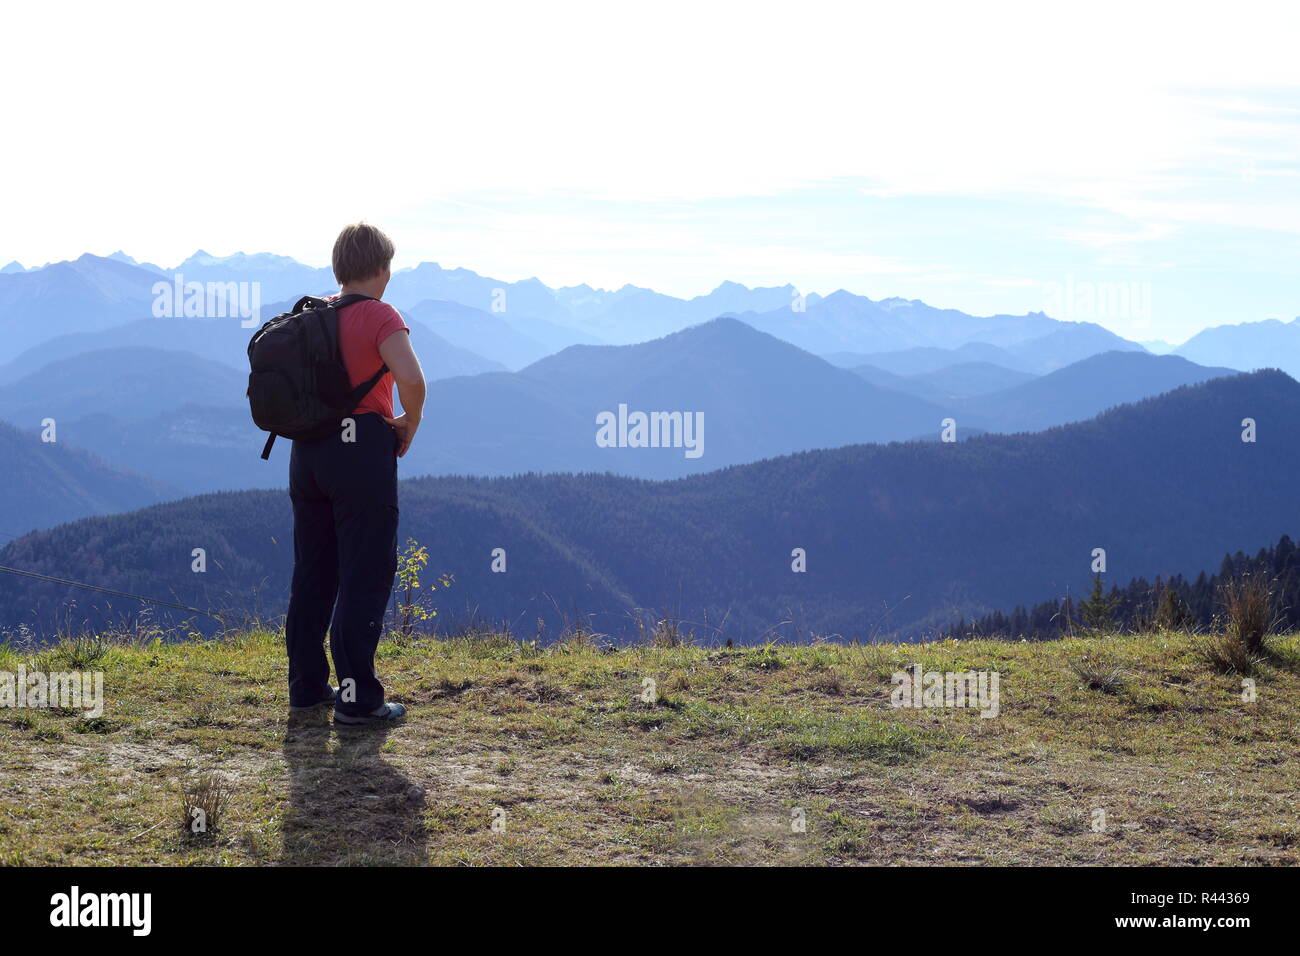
344, 558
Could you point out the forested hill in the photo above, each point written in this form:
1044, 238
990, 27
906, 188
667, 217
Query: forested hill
902, 538
49, 482
1175, 601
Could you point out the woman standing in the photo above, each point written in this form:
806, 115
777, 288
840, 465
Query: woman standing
344, 493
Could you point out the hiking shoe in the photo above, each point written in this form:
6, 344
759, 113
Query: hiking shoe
389, 713
333, 696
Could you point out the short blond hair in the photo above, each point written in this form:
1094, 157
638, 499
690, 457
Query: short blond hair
361, 252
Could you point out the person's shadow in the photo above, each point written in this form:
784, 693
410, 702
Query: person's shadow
347, 806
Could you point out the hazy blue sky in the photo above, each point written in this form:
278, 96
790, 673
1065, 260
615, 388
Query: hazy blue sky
968, 155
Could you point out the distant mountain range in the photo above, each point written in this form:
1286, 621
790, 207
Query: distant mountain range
1058, 345
1084, 389
519, 372
127, 383
635, 315
949, 384
511, 343
921, 359
225, 342
754, 395
847, 323
898, 538
85, 295
48, 483
280, 276
787, 421
1250, 345
93, 294
758, 396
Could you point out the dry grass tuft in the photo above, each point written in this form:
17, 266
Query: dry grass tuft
203, 803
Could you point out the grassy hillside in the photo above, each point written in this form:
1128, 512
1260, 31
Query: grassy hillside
708, 773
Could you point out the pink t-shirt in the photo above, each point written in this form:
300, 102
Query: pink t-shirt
362, 327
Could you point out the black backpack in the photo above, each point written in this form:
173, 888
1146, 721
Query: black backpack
298, 386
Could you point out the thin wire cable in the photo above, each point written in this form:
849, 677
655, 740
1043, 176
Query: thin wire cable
96, 587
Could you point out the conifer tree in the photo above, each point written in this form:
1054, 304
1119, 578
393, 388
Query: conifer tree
1098, 609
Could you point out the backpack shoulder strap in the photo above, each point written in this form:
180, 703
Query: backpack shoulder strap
352, 297
362, 390
316, 302
308, 302
327, 315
